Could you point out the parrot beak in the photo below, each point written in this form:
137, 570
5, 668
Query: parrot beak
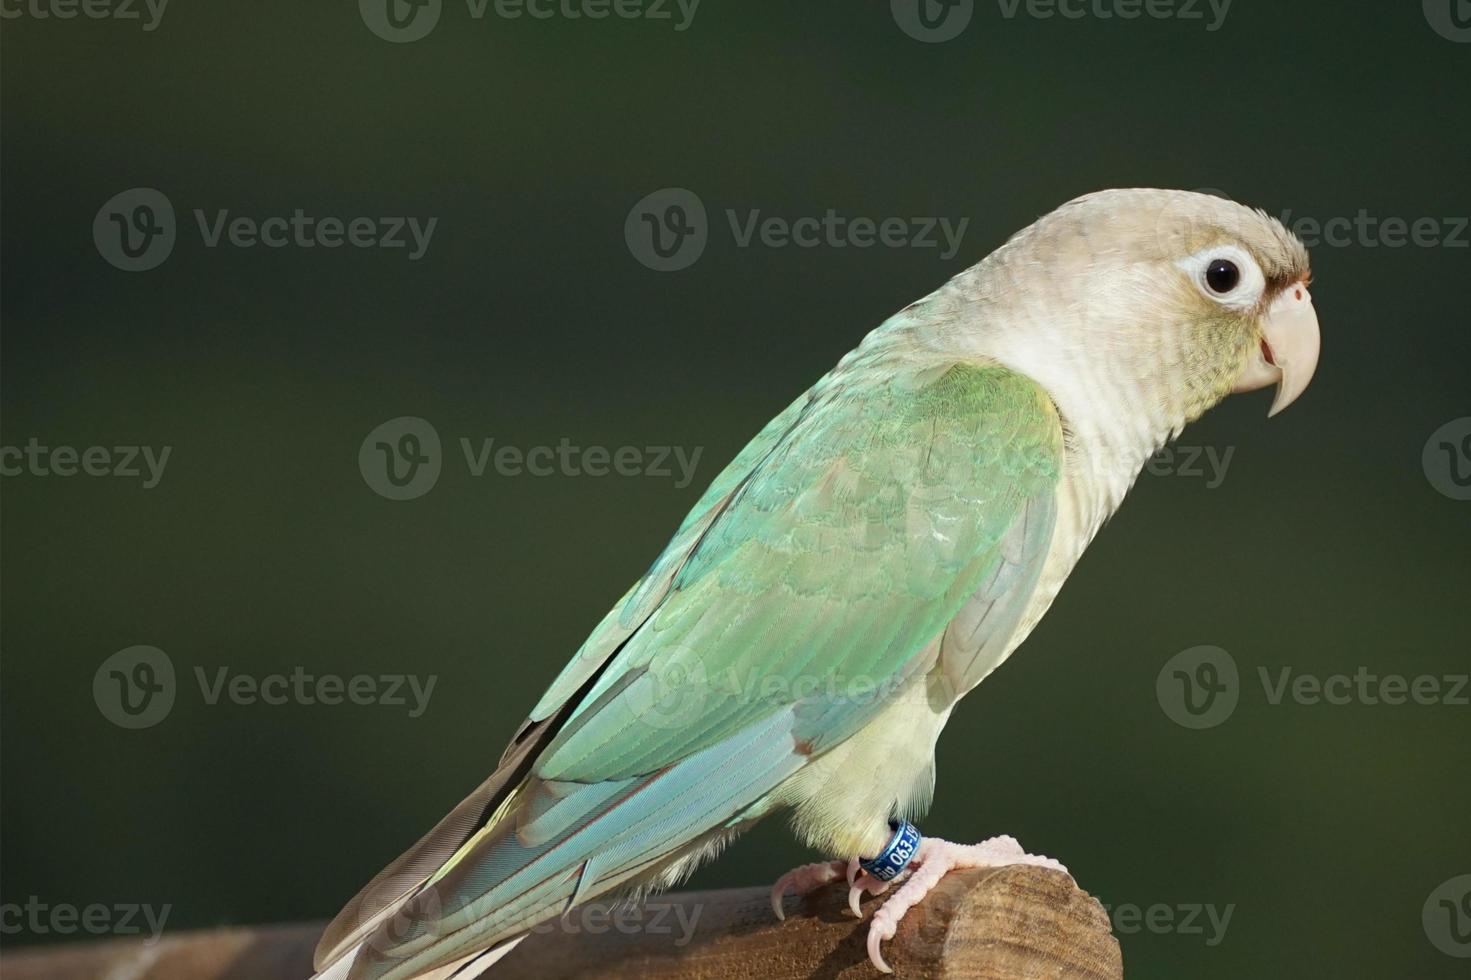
1288, 353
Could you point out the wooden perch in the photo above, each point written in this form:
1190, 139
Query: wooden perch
1014, 923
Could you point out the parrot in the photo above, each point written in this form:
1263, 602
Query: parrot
867, 559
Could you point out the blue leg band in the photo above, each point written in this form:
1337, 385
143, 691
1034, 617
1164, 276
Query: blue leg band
894, 858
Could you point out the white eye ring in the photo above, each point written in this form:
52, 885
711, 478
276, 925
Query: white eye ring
1250, 283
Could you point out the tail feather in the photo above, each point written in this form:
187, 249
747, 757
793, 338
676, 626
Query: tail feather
505, 881
466, 968
386, 894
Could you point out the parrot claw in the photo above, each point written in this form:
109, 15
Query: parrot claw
932, 861
858, 883
812, 876
804, 879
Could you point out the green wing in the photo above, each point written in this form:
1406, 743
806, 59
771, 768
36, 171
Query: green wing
812, 578
630, 612
852, 542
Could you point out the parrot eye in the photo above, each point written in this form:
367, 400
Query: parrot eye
1226, 274
1222, 275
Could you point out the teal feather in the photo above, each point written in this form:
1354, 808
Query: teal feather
827, 559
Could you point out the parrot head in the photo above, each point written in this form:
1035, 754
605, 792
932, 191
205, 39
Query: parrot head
1240, 271
1157, 300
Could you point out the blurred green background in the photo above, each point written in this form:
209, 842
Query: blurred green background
1325, 548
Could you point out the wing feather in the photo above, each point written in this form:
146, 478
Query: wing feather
890, 503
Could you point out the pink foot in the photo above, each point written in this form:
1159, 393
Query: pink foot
934, 858
813, 876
